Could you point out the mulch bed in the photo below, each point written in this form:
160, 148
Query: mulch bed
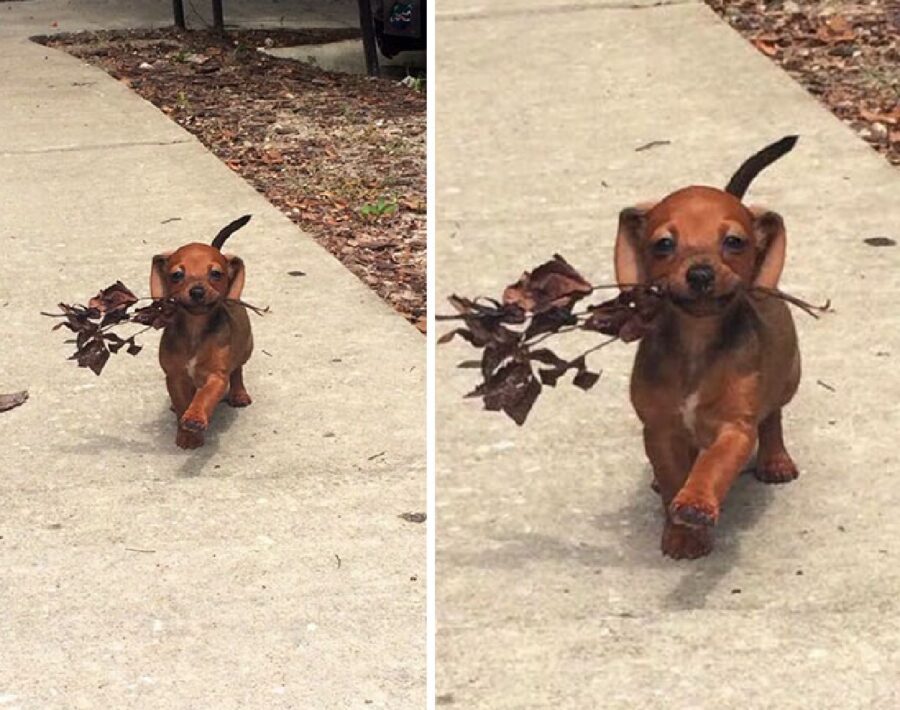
343, 156
846, 54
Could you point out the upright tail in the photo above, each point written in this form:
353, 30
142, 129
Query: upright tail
228, 230
755, 164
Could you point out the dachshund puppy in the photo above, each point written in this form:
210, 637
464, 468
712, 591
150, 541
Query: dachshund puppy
204, 350
711, 377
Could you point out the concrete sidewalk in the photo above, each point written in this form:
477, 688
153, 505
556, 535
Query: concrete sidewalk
551, 588
269, 569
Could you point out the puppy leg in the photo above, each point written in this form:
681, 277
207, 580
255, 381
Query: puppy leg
181, 391
238, 395
715, 470
196, 417
670, 455
773, 463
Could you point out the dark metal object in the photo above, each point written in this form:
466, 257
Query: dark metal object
218, 15
178, 9
368, 36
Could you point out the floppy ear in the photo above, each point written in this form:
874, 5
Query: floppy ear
235, 276
771, 241
158, 275
632, 224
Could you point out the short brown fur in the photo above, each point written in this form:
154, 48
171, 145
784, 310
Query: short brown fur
204, 350
709, 382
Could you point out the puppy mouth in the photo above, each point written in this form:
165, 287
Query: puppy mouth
198, 307
703, 304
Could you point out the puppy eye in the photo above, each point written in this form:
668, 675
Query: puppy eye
734, 243
215, 275
664, 246
176, 276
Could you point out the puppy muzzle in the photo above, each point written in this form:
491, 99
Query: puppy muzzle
701, 279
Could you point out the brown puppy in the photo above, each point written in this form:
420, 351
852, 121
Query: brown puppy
204, 350
711, 377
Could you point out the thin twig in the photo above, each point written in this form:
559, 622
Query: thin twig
808, 308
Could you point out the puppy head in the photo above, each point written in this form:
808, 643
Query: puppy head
701, 245
197, 276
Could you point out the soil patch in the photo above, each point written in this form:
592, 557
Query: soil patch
846, 54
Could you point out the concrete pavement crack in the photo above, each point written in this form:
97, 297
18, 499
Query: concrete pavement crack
95, 146
568, 8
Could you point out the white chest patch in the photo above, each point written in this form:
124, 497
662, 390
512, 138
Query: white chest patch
191, 364
689, 411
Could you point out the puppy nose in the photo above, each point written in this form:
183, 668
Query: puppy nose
700, 278
197, 293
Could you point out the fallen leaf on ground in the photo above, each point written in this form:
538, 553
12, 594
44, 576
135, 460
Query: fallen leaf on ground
11, 401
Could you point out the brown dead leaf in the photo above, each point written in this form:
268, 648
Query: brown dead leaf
11, 401
554, 284
766, 47
890, 118
836, 29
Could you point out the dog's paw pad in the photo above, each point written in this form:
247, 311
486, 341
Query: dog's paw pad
776, 469
693, 512
239, 399
683, 543
193, 423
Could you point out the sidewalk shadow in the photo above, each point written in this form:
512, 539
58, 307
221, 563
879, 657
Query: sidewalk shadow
746, 503
196, 460
159, 439
634, 530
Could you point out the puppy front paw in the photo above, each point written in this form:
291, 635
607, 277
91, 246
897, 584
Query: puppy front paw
186, 439
194, 420
683, 543
693, 510
776, 468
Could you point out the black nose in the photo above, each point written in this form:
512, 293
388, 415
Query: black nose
700, 278
197, 293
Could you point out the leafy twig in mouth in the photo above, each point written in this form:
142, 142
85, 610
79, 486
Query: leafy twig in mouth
94, 324
540, 306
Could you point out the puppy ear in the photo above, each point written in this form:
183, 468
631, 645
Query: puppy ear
158, 275
235, 276
632, 225
771, 245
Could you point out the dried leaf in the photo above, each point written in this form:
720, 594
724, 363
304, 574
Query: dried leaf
157, 315
11, 401
891, 118
586, 379
93, 355
767, 48
114, 297
554, 284
512, 389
